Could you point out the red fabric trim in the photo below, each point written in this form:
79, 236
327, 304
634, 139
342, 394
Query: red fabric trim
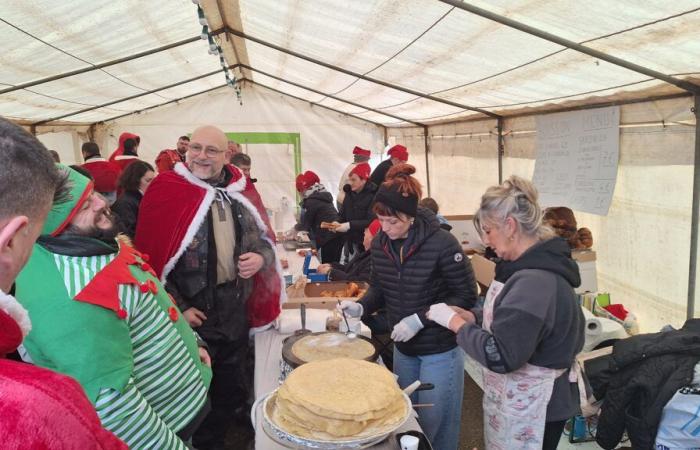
86, 193
103, 290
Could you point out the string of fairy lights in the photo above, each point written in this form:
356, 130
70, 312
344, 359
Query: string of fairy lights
215, 49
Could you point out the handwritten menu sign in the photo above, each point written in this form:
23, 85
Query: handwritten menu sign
577, 154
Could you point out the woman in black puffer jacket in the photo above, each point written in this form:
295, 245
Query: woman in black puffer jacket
415, 264
356, 211
316, 207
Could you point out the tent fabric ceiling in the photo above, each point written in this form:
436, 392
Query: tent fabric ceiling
313, 49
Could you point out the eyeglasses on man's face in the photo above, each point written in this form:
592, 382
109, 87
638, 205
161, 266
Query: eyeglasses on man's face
210, 150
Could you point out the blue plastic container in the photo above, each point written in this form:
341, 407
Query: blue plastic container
311, 274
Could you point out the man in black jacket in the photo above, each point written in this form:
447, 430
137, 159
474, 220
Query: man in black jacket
211, 275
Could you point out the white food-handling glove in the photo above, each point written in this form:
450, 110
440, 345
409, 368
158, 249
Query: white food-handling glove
441, 314
352, 309
407, 328
342, 228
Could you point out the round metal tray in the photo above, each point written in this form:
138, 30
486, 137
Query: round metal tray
289, 440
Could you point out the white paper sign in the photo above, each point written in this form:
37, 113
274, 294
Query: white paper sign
577, 154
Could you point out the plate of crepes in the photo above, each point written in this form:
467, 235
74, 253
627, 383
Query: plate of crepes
335, 404
352, 289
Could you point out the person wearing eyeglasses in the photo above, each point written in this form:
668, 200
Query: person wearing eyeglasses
208, 242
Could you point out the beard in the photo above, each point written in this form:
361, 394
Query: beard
93, 231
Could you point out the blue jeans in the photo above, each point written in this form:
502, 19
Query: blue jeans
440, 422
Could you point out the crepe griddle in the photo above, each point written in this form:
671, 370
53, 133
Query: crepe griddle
294, 361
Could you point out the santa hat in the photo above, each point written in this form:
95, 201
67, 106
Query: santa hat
119, 151
14, 324
306, 180
399, 151
61, 214
362, 170
361, 151
374, 227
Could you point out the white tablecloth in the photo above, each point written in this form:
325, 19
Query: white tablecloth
268, 352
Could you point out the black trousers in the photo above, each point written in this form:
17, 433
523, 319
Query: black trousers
552, 434
231, 387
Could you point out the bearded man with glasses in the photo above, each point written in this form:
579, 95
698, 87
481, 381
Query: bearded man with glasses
207, 242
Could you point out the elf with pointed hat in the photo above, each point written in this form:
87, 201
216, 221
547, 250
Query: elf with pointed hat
101, 316
40, 409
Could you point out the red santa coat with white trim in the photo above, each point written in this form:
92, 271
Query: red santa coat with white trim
172, 210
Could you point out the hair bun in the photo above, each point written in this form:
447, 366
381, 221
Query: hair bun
517, 185
400, 170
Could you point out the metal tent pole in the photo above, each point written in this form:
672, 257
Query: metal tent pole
501, 148
692, 271
427, 164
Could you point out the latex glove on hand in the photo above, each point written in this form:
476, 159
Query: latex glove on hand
441, 314
407, 328
352, 309
342, 228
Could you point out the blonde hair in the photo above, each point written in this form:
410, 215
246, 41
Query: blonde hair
516, 198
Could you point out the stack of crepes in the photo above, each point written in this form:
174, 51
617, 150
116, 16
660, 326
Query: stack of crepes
339, 399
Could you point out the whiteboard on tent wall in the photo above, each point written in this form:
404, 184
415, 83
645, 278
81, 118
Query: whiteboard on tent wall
577, 155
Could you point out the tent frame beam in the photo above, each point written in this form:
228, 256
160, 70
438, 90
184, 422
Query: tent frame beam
245, 36
131, 97
685, 85
139, 111
92, 68
315, 91
312, 103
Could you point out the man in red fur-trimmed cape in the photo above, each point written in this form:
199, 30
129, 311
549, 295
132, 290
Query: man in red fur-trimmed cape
207, 242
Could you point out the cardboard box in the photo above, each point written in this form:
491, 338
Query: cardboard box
310, 295
484, 270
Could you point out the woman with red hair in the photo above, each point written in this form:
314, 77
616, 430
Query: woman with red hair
416, 264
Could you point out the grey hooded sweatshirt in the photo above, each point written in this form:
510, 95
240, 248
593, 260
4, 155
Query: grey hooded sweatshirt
536, 320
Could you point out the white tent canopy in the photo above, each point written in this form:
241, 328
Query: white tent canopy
458, 83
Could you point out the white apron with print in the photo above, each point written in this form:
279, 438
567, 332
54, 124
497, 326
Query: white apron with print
515, 404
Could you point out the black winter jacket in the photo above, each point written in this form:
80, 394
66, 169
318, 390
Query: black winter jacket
127, 210
316, 208
434, 270
359, 268
646, 371
357, 210
378, 175
192, 282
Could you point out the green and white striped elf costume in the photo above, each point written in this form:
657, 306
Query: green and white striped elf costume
101, 316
